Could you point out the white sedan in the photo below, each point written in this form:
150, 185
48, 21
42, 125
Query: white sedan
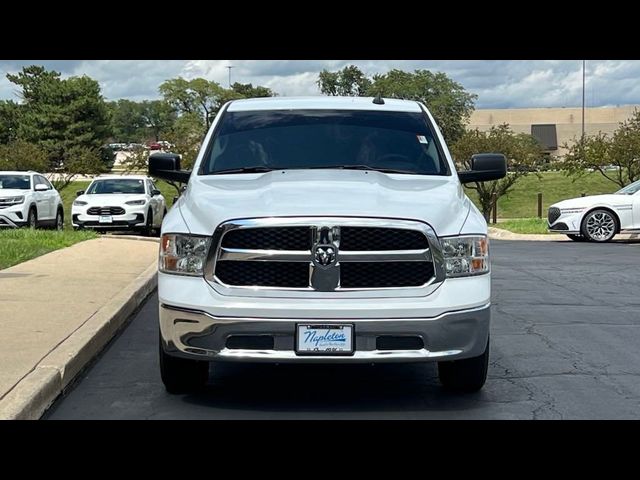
597, 218
130, 202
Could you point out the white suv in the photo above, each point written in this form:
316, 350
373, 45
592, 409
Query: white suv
29, 199
324, 230
131, 202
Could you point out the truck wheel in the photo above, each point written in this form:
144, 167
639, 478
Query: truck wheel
466, 375
180, 375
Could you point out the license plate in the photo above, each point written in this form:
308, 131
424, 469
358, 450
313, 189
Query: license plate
105, 219
324, 339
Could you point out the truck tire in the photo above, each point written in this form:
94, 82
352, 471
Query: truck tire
468, 375
181, 375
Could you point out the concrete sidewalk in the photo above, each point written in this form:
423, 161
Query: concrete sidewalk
58, 310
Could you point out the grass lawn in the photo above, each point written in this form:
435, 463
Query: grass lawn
524, 225
21, 244
522, 201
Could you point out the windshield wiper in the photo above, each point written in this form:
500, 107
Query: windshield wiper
366, 167
255, 169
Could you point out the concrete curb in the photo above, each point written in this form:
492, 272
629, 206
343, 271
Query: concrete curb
500, 234
31, 397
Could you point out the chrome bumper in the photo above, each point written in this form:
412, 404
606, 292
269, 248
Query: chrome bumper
198, 335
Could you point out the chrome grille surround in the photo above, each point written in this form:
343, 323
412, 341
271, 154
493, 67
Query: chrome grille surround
325, 230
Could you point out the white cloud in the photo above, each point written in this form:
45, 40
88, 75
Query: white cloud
498, 83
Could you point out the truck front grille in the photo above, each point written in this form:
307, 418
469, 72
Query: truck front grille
323, 256
275, 238
264, 274
385, 275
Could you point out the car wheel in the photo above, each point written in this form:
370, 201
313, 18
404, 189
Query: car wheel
32, 218
599, 225
577, 238
468, 375
181, 375
60, 220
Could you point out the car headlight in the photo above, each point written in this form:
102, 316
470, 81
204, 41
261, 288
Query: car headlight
13, 200
135, 202
465, 256
79, 203
183, 254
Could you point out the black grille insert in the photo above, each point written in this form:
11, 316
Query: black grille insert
385, 274
554, 214
391, 342
375, 238
560, 226
264, 274
105, 211
272, 238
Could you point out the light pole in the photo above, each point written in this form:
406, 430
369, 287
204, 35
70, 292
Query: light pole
583, 78
229, 67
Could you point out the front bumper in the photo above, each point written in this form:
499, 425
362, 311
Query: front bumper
126, 221
199, 335
567, 223
13, 216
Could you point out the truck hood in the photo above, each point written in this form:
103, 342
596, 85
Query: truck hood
214, 199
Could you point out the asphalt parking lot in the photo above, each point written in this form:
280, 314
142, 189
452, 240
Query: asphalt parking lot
564, 345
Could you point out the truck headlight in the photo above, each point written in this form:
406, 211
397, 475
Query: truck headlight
79, 203
135, 202
183, 254
466, 255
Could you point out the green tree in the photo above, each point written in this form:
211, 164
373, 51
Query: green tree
205, 97
615, 157
60, 115
522, 151
247, 90
127, 121
158, 117
177, 92
78, 160
449, 103
9, 121
348, 82
20, 155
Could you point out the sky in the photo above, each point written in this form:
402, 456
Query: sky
498, 83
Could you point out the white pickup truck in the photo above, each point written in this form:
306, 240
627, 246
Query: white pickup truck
324, 230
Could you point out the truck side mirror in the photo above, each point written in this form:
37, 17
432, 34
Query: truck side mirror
167, 167
485, 167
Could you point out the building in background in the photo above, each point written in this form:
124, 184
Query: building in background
553, 127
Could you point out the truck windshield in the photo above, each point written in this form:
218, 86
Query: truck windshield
116, 186
257, 141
